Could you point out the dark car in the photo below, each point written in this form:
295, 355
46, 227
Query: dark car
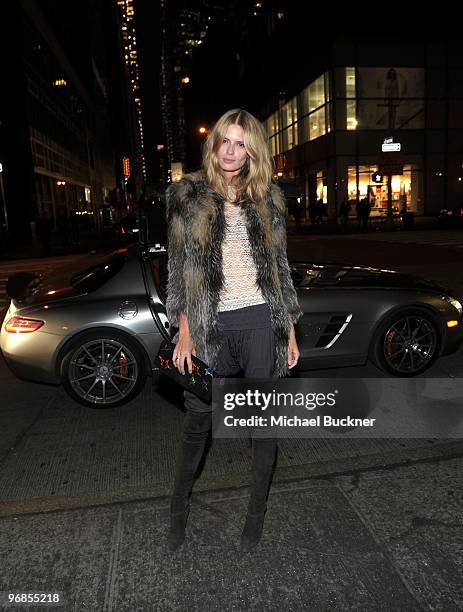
128, 228
451, 215
97, 328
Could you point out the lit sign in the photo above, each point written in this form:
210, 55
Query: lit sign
389, 145
126, 166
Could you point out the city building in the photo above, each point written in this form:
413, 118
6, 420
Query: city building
377, 109
129, 44
185, 26
55, 145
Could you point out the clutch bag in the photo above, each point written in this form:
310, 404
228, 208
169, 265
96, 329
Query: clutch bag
198, 382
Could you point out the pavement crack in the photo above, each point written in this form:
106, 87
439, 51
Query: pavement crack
112, 586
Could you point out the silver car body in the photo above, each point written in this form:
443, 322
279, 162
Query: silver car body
343, 306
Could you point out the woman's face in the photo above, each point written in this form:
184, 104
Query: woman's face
232, 152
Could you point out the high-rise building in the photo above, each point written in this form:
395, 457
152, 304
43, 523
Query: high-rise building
55, 143
128, 35
184, 29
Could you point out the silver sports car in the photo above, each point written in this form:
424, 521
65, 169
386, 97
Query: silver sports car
97, 330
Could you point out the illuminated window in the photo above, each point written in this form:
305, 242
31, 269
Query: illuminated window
313, 96
350, 82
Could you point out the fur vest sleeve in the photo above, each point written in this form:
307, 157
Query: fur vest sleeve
196, 229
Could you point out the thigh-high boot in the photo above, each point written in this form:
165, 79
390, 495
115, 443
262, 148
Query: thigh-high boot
264, 453
195, 432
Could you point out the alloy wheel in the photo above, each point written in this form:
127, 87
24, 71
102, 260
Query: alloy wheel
409, 344
103, 371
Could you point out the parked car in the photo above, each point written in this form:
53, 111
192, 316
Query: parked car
128, 228
451, 215
96, 328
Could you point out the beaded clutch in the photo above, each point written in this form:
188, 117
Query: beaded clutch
198, 382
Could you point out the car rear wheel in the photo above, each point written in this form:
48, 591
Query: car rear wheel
406, 344
103, 369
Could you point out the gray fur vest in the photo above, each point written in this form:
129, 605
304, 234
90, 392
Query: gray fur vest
196, 230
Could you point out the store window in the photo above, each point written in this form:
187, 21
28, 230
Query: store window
390, 98
313, 96
274, 145
350, 82
406, 189
351, 110
317, 126
289, 113
322, 187
272, 124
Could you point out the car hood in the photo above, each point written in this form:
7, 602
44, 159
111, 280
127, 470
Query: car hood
342, 275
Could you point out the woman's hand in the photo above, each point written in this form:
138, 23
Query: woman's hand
293, 350
184, 347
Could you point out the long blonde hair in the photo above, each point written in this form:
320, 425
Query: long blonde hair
255, 176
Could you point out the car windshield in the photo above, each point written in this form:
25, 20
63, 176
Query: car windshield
97, 275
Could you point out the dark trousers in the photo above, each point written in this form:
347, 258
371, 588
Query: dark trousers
249, 347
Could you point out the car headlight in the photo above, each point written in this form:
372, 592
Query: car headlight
455, 303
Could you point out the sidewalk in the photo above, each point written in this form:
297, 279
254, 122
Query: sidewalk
379, 540
94, 241
375, 226
370, 525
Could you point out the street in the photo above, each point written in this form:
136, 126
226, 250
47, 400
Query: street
352, 524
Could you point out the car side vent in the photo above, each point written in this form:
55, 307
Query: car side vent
333, 329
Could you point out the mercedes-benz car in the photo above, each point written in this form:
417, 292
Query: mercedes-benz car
96, 327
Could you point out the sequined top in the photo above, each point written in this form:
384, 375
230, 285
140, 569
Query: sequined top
239, 269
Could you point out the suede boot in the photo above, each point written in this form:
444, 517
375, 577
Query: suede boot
196, 429
264, 453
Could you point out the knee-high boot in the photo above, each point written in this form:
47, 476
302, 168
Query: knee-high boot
264, 453
195, 432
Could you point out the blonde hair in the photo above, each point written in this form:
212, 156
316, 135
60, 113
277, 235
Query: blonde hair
254, 178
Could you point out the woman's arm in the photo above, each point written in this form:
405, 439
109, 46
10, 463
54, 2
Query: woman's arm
176, 306
280, 242
176, 246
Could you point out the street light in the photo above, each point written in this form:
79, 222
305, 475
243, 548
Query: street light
202, 130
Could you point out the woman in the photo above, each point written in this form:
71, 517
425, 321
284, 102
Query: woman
230, 293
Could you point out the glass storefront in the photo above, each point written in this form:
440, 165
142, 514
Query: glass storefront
322, 188
406, 189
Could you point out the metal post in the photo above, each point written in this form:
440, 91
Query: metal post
390, 216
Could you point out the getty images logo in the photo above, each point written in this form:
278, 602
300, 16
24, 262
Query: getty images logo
257, 398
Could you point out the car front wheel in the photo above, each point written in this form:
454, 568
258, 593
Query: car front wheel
103, 369
406, 344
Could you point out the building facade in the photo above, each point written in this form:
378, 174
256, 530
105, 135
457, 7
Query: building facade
55, 142
329, 137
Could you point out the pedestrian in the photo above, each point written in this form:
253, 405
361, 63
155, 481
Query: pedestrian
321, 210
230, 294
43, 231
344, 213
364, 212
313, 212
